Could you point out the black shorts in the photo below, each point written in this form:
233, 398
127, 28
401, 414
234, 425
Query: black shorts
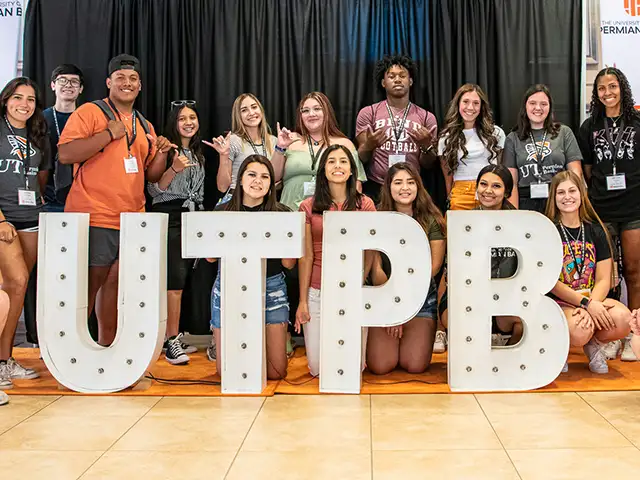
30, 226
178, 268
104, 246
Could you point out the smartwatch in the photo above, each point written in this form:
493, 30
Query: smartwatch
584, 302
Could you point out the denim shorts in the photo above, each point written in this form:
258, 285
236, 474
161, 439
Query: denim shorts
276, 302
430, 307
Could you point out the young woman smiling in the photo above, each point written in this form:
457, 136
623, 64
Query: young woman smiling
587, 272
24, 149
537, 149
250, 135
335, 189
494, 185
180, 189
256, 192
296, 156
469, 141
610, 143
409, 345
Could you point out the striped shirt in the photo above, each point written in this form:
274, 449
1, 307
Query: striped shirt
187, 185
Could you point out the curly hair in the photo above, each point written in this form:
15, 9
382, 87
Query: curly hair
523, 126
627, 110
454, 138
389, 61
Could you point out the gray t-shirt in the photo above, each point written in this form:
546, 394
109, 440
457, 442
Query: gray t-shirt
556, 154
239, 150
12, 174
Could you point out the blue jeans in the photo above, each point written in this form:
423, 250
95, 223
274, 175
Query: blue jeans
276, 302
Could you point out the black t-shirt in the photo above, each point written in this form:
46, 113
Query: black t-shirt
274, 265
613, 205
50, 194
504, 262
596, 249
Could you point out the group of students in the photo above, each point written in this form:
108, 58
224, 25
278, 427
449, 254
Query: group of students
65, 153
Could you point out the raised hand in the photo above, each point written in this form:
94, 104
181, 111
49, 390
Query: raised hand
162, 143
285, 136
220, 144
373, 140
117, 129
180, 162
421, 136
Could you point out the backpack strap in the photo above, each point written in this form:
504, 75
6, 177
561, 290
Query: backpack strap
147, 130
104, 106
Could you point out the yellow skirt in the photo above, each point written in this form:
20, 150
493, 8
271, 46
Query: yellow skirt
463, 195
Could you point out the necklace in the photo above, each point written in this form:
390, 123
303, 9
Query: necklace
315, 142
574, 253
615, 122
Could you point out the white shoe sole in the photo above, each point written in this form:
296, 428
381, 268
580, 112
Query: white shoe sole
181, 360
33, 376
439, 349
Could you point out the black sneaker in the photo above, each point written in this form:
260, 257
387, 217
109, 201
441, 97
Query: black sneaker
185, 346
175, 355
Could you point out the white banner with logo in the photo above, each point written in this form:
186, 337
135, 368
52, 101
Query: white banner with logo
620, 34
11, 15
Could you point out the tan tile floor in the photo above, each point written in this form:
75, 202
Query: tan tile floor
498, 436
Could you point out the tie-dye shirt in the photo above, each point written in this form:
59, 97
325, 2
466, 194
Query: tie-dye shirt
596, 249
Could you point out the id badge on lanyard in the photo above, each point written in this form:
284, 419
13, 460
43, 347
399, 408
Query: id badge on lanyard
26, 196
310, 188
539, 190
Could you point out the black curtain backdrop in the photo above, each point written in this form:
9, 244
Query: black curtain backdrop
213, 50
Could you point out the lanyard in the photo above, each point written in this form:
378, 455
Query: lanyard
539, 151
614, 146
255, 149
55, 120
26, 165
314, 157
131, 140
565, 233
398, 129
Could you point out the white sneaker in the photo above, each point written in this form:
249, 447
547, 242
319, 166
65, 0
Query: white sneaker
5, 377
627, 352
440, 344
597, 362
498, 340
565, 369
17, 371
611, 349
4, 398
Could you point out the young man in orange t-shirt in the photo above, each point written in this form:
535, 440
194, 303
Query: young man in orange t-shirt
113, 160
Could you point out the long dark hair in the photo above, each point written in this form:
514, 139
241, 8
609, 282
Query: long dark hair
627, 109
269, 203
453, 134
507, 179
36, 124
523, 127
423, 206
322, 200
173, 135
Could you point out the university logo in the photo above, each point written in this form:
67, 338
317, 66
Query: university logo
19, 147
632, 8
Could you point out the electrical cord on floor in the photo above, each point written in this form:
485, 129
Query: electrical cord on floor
179, 381
399, 382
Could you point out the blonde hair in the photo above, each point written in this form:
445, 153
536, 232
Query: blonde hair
237, 126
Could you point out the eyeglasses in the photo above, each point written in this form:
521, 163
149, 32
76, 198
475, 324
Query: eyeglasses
183, 103
308, 111
62, 81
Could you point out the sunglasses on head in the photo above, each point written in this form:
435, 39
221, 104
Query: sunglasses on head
183, 103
